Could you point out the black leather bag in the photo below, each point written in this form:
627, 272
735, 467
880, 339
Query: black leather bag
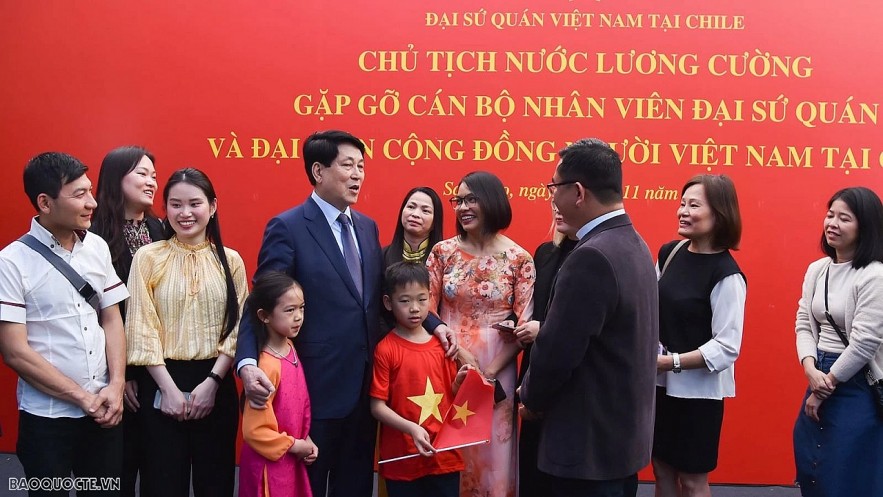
877, 391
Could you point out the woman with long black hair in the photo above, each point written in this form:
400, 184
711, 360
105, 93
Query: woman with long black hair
187, 295
418, 227
124, 218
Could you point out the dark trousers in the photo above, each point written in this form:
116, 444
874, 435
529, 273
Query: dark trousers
345, 467
446, 485
572, 487
131, 452
531, 481
207, 446
131, 439
57, 447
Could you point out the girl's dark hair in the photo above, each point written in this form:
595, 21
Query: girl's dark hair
868, 211
268, 287
394, 253
492, 200
110, 215
195, 177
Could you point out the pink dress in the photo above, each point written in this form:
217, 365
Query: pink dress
266, 468
473, 293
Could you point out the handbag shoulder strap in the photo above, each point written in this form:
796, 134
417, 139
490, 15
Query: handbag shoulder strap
671, 255
828, 316
81, 285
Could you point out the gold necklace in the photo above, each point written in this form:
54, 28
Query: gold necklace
285, 358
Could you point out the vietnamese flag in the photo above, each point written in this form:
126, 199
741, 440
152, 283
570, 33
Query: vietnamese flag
468, 421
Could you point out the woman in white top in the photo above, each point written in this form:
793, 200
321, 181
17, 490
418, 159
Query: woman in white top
838, 436
701, 311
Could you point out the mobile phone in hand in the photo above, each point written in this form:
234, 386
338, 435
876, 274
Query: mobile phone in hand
503, 327
157, 399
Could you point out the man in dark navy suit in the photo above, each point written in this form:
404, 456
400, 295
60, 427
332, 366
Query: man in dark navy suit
334, 253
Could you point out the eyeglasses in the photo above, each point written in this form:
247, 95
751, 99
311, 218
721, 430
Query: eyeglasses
469, 200
554, 186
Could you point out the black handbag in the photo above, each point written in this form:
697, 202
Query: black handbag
877, 391
876, 385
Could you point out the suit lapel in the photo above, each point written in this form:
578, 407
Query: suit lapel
319, 229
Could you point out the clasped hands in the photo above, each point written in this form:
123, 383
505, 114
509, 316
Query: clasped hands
822, 385
201, 402
106, 406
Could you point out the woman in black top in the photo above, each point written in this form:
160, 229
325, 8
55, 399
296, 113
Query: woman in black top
548, 259
124, 218
701, 312
418, 227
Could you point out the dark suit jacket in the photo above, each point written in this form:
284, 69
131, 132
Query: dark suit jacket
340, 330
593, 366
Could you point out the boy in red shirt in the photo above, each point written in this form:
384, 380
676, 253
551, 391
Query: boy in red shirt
412, 387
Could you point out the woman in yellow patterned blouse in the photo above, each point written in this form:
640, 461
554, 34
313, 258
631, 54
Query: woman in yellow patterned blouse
186, 299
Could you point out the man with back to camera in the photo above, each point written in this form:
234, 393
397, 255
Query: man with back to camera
70, 356
592, 369
334, 253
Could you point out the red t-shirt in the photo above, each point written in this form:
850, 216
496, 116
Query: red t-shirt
401, 372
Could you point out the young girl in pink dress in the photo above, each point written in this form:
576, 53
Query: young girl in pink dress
277, 446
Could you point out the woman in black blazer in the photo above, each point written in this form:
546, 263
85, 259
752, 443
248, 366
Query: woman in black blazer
548, 259
124, 218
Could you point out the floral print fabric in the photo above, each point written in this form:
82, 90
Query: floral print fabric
471, 294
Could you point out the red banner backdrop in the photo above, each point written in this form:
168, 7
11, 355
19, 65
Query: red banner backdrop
781, 96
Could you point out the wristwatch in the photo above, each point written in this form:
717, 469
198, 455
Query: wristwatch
216, 377
676, 363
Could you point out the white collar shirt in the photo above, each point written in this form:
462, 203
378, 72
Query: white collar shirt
331, 214
589, 226
61, 326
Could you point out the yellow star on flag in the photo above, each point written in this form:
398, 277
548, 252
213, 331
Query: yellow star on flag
428, 403
463, 412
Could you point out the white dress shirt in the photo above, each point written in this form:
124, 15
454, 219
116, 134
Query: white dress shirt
331, 214
589, 226
62, 327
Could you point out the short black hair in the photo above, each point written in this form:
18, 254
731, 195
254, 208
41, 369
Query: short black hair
49, 172
596, 166
322, 147
492, 199
402, 273
868, 211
